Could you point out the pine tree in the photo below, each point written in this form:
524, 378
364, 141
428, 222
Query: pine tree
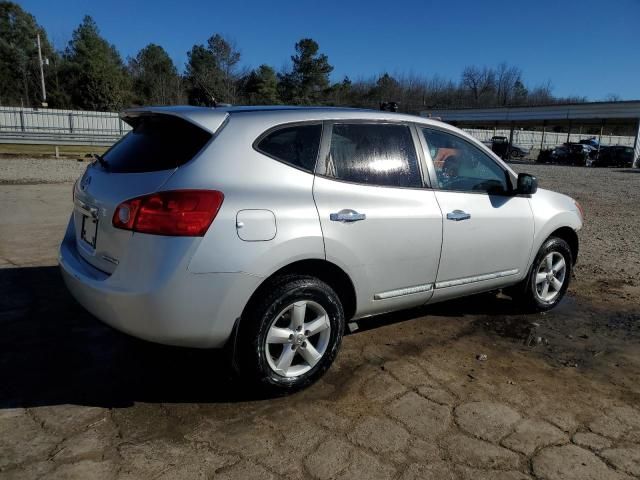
261, 86
211, 72
309, 77
155, 77
19, 64
93, 70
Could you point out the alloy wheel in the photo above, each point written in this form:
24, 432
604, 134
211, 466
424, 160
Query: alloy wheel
297, 338
550, 276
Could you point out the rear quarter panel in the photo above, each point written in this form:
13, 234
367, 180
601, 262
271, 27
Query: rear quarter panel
250, 180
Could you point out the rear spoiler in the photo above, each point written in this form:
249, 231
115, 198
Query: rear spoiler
208, 119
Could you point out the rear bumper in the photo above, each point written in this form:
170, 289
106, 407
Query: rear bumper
153, 296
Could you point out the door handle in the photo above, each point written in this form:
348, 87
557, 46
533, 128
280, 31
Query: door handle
347, 215
458, 215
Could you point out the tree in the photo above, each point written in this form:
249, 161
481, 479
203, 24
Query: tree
19, 64
226, 57
155, 79
309, 76
506, 77
93, 71
481, 85
520, 93
341, 93
201, 76
387, 89
211, 72
261, 86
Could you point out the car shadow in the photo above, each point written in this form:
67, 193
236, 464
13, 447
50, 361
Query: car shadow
477, 306
54, 352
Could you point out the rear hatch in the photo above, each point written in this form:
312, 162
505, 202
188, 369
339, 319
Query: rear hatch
162, 140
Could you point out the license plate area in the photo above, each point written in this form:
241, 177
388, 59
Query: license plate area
89, 230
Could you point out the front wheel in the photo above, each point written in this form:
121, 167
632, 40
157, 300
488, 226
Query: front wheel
290, 336
548, 278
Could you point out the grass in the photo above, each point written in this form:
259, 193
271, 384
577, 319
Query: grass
74, 151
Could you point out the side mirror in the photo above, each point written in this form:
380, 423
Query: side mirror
527, 184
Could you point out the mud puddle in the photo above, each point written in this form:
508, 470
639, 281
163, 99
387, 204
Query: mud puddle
579, 333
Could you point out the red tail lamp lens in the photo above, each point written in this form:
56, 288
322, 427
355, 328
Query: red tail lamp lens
186, 213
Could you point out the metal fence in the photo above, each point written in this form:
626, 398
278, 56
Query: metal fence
30, 125
538, 139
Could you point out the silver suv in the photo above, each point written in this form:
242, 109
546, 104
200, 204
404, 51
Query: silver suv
267, 229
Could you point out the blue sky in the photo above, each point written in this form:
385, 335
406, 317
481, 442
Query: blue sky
588, 48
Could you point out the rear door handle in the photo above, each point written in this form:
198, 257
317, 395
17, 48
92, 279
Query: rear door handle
347, 215
458, 215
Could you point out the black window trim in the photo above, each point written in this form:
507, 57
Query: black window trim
282, 126
325, 146
432, 168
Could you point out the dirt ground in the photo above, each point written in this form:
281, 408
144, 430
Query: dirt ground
558, 396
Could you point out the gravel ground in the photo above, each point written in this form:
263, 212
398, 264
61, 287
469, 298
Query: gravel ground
39, 170
609, 258
461, 390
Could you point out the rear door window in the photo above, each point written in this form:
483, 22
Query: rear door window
296, 145
373, 154
157, 142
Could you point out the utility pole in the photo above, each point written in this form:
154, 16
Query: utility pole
44, 90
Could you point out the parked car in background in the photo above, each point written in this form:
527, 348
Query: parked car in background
544, 156
266, 230
592, 142
613, 156
516, 151
500, 146
572, 154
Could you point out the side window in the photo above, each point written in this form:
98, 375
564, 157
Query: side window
461, 166
373, 154
296, 145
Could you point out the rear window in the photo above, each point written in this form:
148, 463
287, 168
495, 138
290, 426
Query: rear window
373, 154
157, 142
296, 145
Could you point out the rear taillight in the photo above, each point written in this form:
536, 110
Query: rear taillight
176, 213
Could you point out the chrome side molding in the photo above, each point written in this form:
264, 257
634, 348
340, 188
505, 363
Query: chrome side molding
403, 291
477, 278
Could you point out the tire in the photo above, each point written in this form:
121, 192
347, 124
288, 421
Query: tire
270, 336
531, 293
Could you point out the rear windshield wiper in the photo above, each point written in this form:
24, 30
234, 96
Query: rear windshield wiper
101, 161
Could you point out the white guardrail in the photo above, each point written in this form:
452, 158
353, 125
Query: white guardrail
32, 125
69, 127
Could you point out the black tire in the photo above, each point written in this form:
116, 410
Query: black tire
526, 292
251, 351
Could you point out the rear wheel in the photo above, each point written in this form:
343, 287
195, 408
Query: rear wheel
290, 337
548, 278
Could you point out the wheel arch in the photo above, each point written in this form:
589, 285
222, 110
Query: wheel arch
322, 269
570, 236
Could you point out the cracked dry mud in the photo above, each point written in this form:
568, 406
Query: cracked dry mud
406, 399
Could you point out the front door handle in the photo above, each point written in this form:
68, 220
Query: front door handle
458, 215
347, 215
